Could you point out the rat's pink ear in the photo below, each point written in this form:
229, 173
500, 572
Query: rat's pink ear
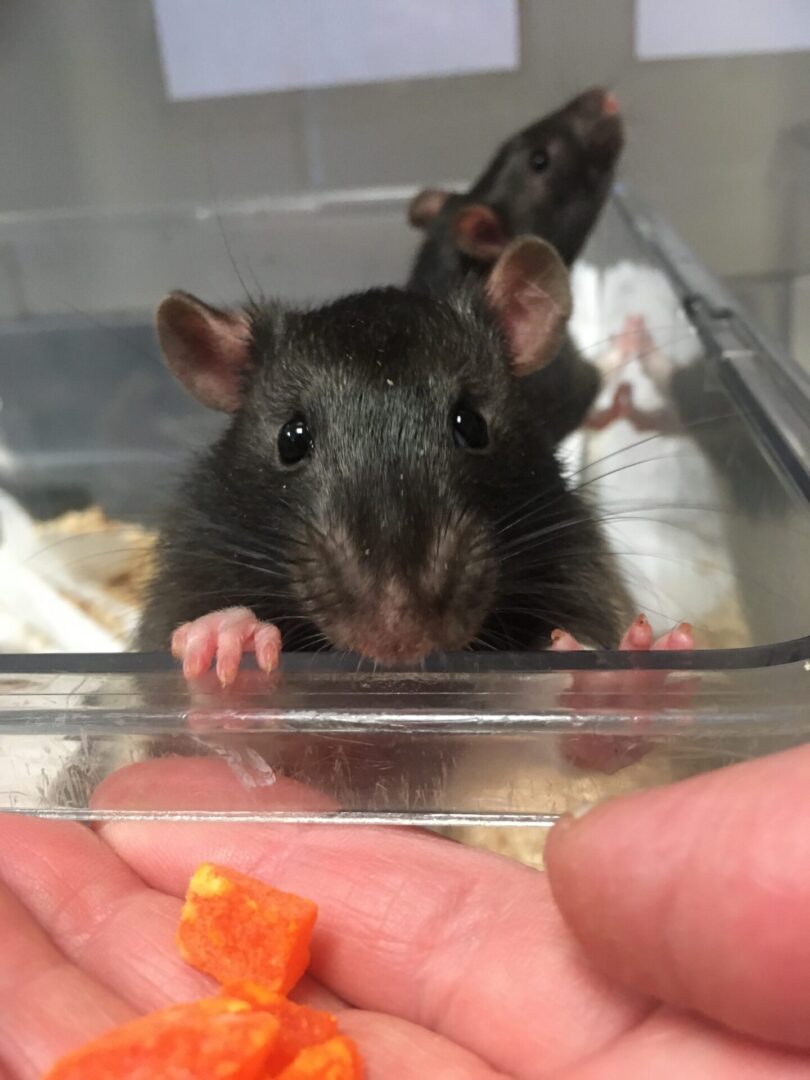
479, 232
529, 288
426, 206
207, 350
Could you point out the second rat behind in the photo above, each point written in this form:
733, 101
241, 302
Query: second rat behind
550, 179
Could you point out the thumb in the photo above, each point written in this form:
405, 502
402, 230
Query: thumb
699, 893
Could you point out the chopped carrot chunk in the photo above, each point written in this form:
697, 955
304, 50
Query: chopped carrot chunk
300, 1026
213, 1039
255, 940
336, 1059
235, 928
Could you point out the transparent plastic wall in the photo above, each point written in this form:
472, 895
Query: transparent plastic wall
781, 302
704, 495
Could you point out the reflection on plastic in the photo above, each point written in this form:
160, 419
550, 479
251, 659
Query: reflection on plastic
491, 747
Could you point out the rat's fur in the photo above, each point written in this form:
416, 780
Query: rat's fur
387, 518
561, 205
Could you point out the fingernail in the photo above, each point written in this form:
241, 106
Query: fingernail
583, 808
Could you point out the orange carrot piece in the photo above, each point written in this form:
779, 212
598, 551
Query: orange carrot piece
213, 1039
235, 928
300, 1026
336, 1059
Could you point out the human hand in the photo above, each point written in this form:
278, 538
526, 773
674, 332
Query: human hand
441, 961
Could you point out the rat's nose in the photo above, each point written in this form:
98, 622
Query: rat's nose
610, 103
589, 105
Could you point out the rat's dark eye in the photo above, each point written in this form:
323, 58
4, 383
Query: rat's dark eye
539, 161
294, 441
469, 428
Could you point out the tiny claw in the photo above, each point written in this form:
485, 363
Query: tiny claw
193, 666
226, 673
562, 641
268, 648
198, 654
684, 636
179, 641
638, 636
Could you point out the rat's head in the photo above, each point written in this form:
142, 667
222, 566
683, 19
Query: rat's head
384, 432
551, 179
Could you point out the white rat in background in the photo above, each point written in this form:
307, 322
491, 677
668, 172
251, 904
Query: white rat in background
666, 509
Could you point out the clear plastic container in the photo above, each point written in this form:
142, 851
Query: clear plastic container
706, 507
781, 301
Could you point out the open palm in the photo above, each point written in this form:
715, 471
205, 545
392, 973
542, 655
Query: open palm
443, 962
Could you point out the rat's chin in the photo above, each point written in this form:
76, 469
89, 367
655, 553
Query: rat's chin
398, 643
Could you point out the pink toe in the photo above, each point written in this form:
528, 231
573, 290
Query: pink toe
178, 644
562, 641
679, 638
199, 650
268, 647
638, 635
241, 620
229, 655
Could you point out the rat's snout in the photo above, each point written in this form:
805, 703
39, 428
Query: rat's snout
598, 123
397, 595
595, 103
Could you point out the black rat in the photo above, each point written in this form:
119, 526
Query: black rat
386, 485
550, 179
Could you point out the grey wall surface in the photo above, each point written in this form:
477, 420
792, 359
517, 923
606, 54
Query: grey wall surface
86, 123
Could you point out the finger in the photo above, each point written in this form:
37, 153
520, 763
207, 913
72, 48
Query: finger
47, 1006
236, 780
99, 922
671, 1046
414, 926
308, 991
698, 893
106, 921
109, 924
397, 1048
97, 912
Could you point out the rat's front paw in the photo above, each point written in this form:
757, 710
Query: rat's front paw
621, 408
225, 635
637, 638
637, 693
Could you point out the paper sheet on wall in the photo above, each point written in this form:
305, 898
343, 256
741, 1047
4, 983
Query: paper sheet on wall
218, 48
673, 29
